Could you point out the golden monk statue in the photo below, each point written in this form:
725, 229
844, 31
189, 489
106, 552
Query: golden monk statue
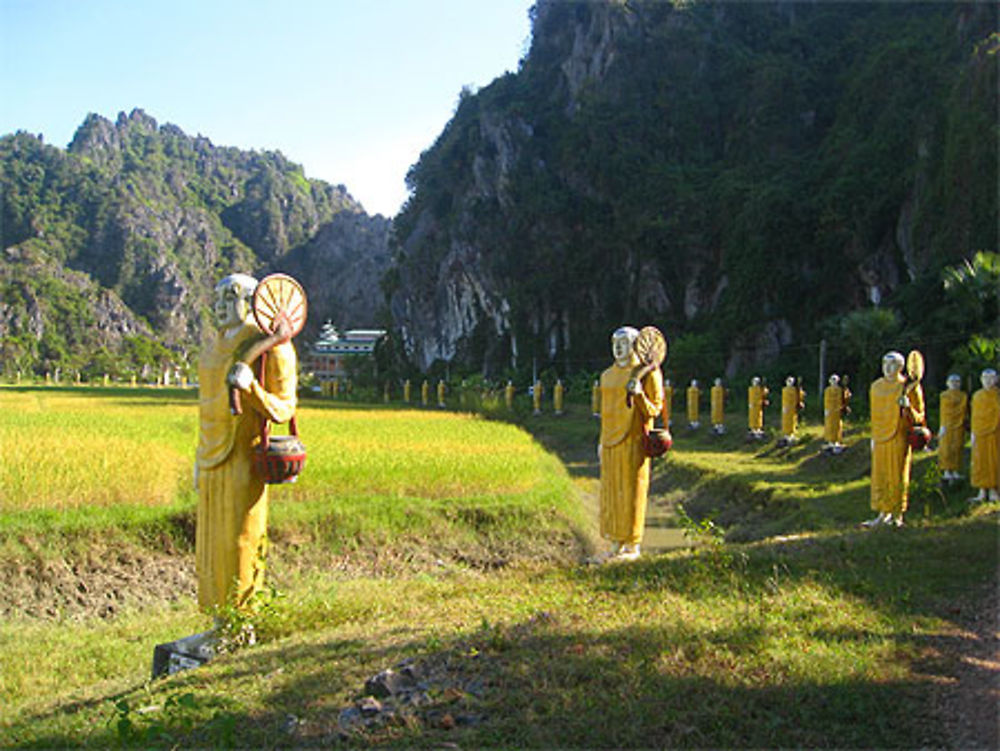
440, 394
953, 412
896, 404
628, 407
694, 405
792, 400
757, 394
668, 400
558, 394
508, 395
835, 399
231, 532
717, 396
537, 391
986, 438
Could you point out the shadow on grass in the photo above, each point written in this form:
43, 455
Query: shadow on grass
570, 679
540, 685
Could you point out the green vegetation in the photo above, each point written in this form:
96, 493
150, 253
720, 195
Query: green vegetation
794, 640
723, 170
121, 236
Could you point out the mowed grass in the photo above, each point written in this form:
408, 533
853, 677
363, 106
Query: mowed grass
759, 646
840, 639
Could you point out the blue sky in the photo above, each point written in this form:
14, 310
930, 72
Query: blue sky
353, 90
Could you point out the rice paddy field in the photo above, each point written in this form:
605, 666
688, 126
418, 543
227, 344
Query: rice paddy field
453, 547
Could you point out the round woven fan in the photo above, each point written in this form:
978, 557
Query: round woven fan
914, 365
651, 346
279, 307
278, 297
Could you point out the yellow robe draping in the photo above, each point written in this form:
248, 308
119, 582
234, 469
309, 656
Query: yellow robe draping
624, 464
668, 400
693, 405
985, 434
891, 452
790, 397
231, 532
833, 410
756, 395
954, 405
718, 398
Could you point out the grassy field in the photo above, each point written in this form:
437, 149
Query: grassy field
810, 632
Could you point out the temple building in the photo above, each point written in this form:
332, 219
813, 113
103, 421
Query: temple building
327, 356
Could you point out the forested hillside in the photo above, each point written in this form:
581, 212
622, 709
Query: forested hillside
751, 177
112, 246
744, 175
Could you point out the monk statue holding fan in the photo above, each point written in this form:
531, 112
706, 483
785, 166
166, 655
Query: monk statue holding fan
985, 424
897, 423
247, 376
631, 394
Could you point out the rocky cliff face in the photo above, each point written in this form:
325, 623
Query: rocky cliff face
341, 267
739, 172
147, 219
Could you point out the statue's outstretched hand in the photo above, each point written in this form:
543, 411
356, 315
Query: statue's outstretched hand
240, 376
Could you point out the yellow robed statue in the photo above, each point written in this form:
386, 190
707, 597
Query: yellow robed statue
986, 438
668, 401
792, 400
756, 401
953, 412
896, 402
631, 398
231, 534
835, 398
694, 405
717, 399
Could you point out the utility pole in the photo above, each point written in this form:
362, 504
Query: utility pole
822, 369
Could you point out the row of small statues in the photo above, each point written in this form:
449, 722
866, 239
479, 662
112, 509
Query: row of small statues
55, 379
334, 388
793, 397
629, 404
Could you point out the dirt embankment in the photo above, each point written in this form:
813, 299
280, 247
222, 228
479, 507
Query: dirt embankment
97, 583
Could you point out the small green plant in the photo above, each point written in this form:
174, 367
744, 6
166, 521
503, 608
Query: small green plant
177, 714
926, 489
238, 625
704, 530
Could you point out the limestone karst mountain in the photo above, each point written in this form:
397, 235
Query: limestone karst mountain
111, 246
741, 174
